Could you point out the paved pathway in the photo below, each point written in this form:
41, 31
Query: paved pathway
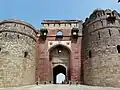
59, 87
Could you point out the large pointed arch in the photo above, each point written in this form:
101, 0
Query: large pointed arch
66, 63
49, 50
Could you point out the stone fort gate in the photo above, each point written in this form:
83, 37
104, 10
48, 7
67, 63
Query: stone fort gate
59, 50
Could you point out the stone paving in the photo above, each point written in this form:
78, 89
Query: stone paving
59, 87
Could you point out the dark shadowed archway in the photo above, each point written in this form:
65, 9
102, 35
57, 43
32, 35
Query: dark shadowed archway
56, 70
59, 57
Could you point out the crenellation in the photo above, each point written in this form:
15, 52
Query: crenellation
60, 25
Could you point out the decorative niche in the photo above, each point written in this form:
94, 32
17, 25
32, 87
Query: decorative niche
74, 32
43, 33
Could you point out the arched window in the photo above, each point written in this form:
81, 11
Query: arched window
59, 33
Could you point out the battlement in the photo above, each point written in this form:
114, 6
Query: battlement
61, 24
60, 21
101, 14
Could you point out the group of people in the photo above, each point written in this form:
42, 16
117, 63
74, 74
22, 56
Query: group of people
65, 82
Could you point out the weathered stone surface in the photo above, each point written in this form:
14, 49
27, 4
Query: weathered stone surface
92, 59
102, 68
16, 39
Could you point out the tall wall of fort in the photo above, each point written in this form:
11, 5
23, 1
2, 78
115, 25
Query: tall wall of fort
93, 58
17, 53
101, 40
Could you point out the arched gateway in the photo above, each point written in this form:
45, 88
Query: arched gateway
59, 51
59, 57
56, 71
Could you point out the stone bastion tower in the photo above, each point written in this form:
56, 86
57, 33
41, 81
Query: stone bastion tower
101, 48
17, 53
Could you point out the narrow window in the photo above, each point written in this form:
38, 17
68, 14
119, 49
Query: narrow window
5, 34
99, 34
109, 32
18, 36
0, 49
118, 48
24, 27
102, 22
25, 54
90, 54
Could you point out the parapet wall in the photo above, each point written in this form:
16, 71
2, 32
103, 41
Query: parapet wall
61, 24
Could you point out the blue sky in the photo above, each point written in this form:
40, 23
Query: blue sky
34, 11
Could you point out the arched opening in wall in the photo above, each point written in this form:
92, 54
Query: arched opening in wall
60, 78
59, 35
59, 74
59, 57
118, 48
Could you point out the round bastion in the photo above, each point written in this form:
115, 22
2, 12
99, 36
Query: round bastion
17, 53
101, 40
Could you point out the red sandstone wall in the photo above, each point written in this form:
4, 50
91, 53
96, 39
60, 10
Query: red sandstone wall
44, 65
76, 60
